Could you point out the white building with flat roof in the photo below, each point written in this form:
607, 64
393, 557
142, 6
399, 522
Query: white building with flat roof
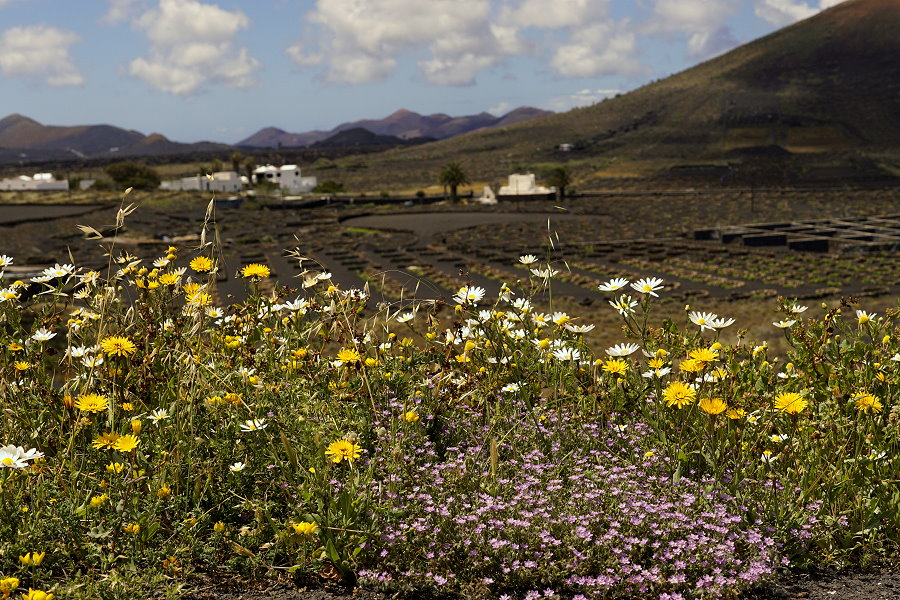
38, 181
286, 177
220, 181
524, 184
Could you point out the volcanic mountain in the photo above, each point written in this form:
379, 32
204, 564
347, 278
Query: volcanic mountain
823, 92
24, 139
404, 124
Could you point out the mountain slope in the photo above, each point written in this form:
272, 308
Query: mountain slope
826, 87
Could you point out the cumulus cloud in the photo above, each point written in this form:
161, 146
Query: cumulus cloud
39, 52
118, 11
785, 12
585, 97
564, 13
702, 22
192, 46
362, 40
601, 49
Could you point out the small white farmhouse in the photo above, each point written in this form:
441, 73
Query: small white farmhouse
524, 185
222, 181
38, 181
286, 177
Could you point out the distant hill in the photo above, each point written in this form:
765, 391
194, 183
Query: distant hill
25, 140
359, 137
819, 96
403, 124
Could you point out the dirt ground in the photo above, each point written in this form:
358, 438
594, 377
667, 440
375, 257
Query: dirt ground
823, 585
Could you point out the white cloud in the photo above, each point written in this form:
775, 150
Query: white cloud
362, 40
563, 13
785, 12
39, 52
118, 11
601, 49
702, 22
584, 97
500, 109
192, 46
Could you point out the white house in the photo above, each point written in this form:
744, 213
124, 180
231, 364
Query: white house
38, 181
286, 177
220, 181
524, 185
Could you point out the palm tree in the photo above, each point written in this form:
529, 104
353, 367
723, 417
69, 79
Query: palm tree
559, 178
453, 176
236, 159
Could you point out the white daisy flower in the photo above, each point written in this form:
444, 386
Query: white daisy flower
254, 425
613, 285
510, 387
5, 260
784, 324
42, 335
237, 467
578, 328
648, 285
547, 273
566, 353
469, 294
622, 349
527, 259
406, 317
703, 319
624, 305
721, 323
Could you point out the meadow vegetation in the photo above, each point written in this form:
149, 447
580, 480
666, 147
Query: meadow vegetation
150, 434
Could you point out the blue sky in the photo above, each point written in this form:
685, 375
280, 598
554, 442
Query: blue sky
221, 70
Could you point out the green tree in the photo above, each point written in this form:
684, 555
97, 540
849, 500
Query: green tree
452, 176
560, 178
135, 175
249, 165
236, 160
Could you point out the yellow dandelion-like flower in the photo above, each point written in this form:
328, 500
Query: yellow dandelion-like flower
91, 403
37, 595
679, 394
713, 406
126, 443
735, 413
867, 402
617, 366
169, 278
255, 270
411, 416
692, 365
106, 440
348, 356
790, 402
21, 365
116, 345
201, 264
343, 450
305, 528
704, 354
